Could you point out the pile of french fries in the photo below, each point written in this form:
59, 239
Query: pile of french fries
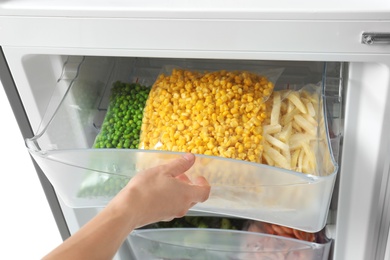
295, 135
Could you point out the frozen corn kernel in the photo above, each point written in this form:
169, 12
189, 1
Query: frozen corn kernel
217, 113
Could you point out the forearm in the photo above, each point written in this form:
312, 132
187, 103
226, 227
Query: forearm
102, 236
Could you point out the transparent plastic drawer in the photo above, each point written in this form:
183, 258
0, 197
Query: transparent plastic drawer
181, 243
87, 177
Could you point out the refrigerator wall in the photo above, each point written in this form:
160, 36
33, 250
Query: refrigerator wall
358, 219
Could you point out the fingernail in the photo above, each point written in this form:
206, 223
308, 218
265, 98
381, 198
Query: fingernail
188, 156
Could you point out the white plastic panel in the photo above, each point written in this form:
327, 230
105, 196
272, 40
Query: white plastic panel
189, 35
28, 72
304, 9
360, 205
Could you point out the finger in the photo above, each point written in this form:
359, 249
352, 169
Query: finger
201, 181
168, 219
184, 178
200, 193
192, 204
179, 165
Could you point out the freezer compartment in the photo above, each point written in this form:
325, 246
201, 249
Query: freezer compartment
87, 177
182, 243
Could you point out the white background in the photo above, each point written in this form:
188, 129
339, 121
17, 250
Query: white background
27, 226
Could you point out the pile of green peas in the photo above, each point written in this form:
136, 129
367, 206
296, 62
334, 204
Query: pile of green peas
107, 188
122, 124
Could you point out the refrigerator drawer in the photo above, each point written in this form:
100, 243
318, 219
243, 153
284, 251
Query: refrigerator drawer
88, 177
187, 243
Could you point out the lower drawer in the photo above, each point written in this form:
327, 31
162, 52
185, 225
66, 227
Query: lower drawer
226, 238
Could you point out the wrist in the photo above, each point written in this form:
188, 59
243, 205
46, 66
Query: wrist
125, 210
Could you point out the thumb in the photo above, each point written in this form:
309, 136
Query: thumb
180, 165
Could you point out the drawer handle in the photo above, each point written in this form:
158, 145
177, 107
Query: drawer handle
375, 38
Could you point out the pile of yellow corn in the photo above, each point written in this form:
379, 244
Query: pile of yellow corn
217, 113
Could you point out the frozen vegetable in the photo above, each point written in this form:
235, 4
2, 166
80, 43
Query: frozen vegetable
217, 113
313, 245
273, 229
201, 222
295, 133
106, 186
238, 224
120, 129
122, 123
208, 244
271, 245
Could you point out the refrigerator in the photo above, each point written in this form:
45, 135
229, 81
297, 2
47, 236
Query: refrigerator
60, 60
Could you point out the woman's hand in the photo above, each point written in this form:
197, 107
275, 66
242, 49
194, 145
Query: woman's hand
163, 192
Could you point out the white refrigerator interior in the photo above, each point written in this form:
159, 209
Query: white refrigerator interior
53, 49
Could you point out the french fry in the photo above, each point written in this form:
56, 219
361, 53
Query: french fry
290, 106
272, 129
276, 142
300, 160
304, 124
275, 113
287, 118
309, 154
286, 133
294, 98
313, 98
296, 126
327, 164
310, 109
305, 164
296, 140
310, 119
317, 163
283, 108
277, 157
287, 155
294, 159
268, 160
